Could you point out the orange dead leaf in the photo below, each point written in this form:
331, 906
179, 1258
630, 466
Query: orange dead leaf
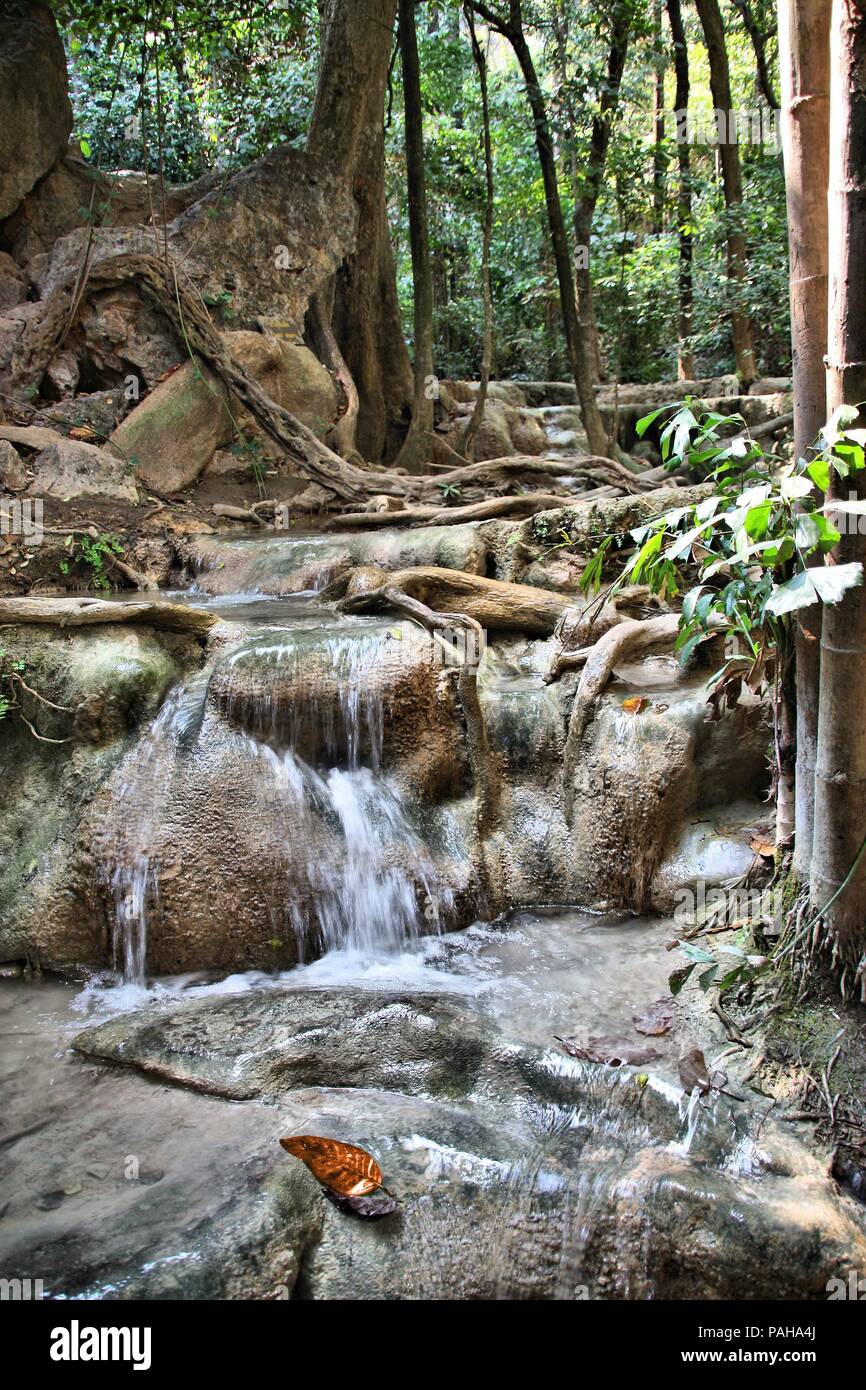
635, 704
82, 432
344, 1168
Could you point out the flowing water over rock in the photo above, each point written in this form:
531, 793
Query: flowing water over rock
276, 865
520, 1172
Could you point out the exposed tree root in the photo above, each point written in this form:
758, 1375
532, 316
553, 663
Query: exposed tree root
497, 605
624, 640
579, 628
44, 333
526, 504
392, 598
84, 612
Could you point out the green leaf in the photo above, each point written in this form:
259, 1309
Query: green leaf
796, 485
819, 471
646, 420
678, 978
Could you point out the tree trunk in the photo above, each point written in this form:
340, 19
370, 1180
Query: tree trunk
487, 235
659, 164
686, 370
804, 65
586, 196
759, 45
732, 179
840, 778
416, 447
580, 353
347, 130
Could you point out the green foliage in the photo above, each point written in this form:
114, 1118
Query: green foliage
8, 671
91, 552
194, 88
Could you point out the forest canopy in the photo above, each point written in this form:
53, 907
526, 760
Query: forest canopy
189, 89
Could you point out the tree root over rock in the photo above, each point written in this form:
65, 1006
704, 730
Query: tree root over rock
84, 612
390, 596
495, 604
159, 282
625, 639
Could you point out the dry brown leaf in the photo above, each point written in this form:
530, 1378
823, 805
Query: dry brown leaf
610, 1051
693, 1071
657, 1019
635, 704
765, 848
82, 432
346, 1169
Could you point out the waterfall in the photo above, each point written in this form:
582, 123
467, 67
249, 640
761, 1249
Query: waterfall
302, 713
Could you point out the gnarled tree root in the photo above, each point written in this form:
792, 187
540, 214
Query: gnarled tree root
495, 604
623, 640
391, 598
85, 612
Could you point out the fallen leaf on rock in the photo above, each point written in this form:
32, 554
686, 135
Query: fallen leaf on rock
369, 1208
657, 1019
635, 704
610, 1051
346, 1169
693, 1071
765, 848
82, 432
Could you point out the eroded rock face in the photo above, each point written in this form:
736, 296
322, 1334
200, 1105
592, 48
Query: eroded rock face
314, 788
110, 682
291, 564
35, 113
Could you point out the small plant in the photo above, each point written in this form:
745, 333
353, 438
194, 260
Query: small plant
757, 545
449, 490
249, 452
92, 551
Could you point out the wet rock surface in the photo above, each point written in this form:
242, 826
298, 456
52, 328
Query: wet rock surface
519, 1173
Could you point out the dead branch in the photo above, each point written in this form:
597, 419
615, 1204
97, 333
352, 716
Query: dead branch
85, 612
527, 504
392, 598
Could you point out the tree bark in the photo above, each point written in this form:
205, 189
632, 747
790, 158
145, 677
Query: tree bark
580, 352
840, 778
486, 238
347, 130
686, 369
416, 447
587, 194
732, 179
659, 164
804, 65
759, 44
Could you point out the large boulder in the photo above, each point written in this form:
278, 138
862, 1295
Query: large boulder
173, 434
35, 113
69, 468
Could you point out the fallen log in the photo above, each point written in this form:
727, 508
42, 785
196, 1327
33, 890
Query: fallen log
87, 612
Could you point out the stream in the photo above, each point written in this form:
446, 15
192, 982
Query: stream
143, 1103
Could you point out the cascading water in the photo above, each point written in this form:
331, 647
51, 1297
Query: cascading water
306, 719
130, 869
